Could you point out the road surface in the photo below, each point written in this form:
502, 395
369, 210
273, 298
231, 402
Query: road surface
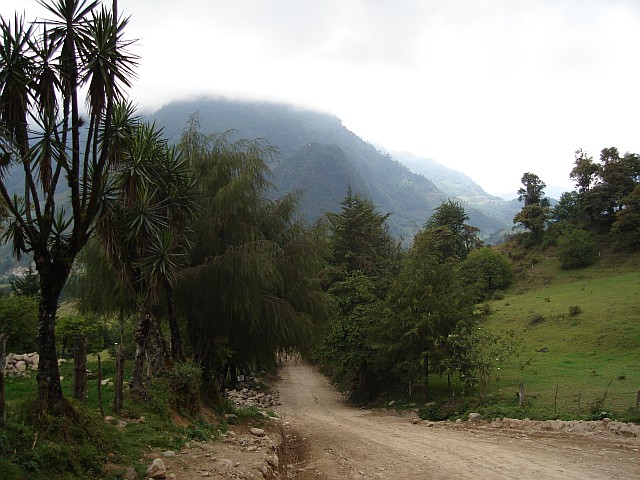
331, 440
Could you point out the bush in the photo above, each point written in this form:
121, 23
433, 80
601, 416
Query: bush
487, 269
576, 249
183, 384
574, 310
536, 318
19, 318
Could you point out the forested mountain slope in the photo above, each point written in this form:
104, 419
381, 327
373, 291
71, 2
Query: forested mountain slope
456, 183
323, 158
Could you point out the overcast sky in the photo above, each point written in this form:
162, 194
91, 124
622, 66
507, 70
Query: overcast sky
493, 88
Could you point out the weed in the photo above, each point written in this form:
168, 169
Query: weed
536, 318
574, 310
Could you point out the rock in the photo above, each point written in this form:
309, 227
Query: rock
231, 418
109, 419
169, 454
21, 366
475, 417
130, 474
205, 474
258, 432
416, 421
157, 470
105, 381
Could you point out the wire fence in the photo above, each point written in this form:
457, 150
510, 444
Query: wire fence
592, 401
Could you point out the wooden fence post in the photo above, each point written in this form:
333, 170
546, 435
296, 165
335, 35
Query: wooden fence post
100, 387
117, 400
3, 411
521, 395
80, 368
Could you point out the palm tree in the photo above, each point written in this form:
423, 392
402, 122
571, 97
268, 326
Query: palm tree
146, 232
42, 69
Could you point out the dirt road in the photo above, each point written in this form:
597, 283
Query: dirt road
335, 441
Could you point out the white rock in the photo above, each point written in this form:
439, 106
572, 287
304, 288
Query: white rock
157, 469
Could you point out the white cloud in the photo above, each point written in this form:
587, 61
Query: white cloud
491, 88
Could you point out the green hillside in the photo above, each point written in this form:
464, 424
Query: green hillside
579, 334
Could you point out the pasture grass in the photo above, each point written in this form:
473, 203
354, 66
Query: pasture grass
579, 338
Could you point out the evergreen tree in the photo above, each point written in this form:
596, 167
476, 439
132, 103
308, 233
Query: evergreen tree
427, 304
364, 258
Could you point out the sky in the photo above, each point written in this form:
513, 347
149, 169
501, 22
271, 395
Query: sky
492, 88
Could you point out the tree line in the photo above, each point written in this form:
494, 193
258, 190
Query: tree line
604, 207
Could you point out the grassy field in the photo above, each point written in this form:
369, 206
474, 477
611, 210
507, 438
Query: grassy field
578, 334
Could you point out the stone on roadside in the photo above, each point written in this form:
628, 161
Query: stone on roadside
157, 469
475, 417
258, 432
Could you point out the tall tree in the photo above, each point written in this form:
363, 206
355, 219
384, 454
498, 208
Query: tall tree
146, 232
359, 238
535, 212
364, 258
427, 304
451, 215
251, 287
42, 70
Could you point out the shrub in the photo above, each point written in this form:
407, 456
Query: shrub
574, 310
487, 269
183, 384
576, 249
19, 319
536, 318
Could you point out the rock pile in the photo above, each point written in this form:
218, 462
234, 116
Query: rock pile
248, 397
20, 365
17, 365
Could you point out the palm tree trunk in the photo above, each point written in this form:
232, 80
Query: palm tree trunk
159, 356
52, 280
141, 337
176, 340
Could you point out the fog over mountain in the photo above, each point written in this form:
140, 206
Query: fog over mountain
323, 158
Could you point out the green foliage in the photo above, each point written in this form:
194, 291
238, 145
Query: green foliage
535, 212
626, 226
42, 67
576, 249
183, 383
363, 260
451, 215
488, 270
19, 319
201, 431
252, 288
359, 240
27, 284
68, 326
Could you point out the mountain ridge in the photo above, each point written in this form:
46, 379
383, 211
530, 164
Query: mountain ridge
323, 158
